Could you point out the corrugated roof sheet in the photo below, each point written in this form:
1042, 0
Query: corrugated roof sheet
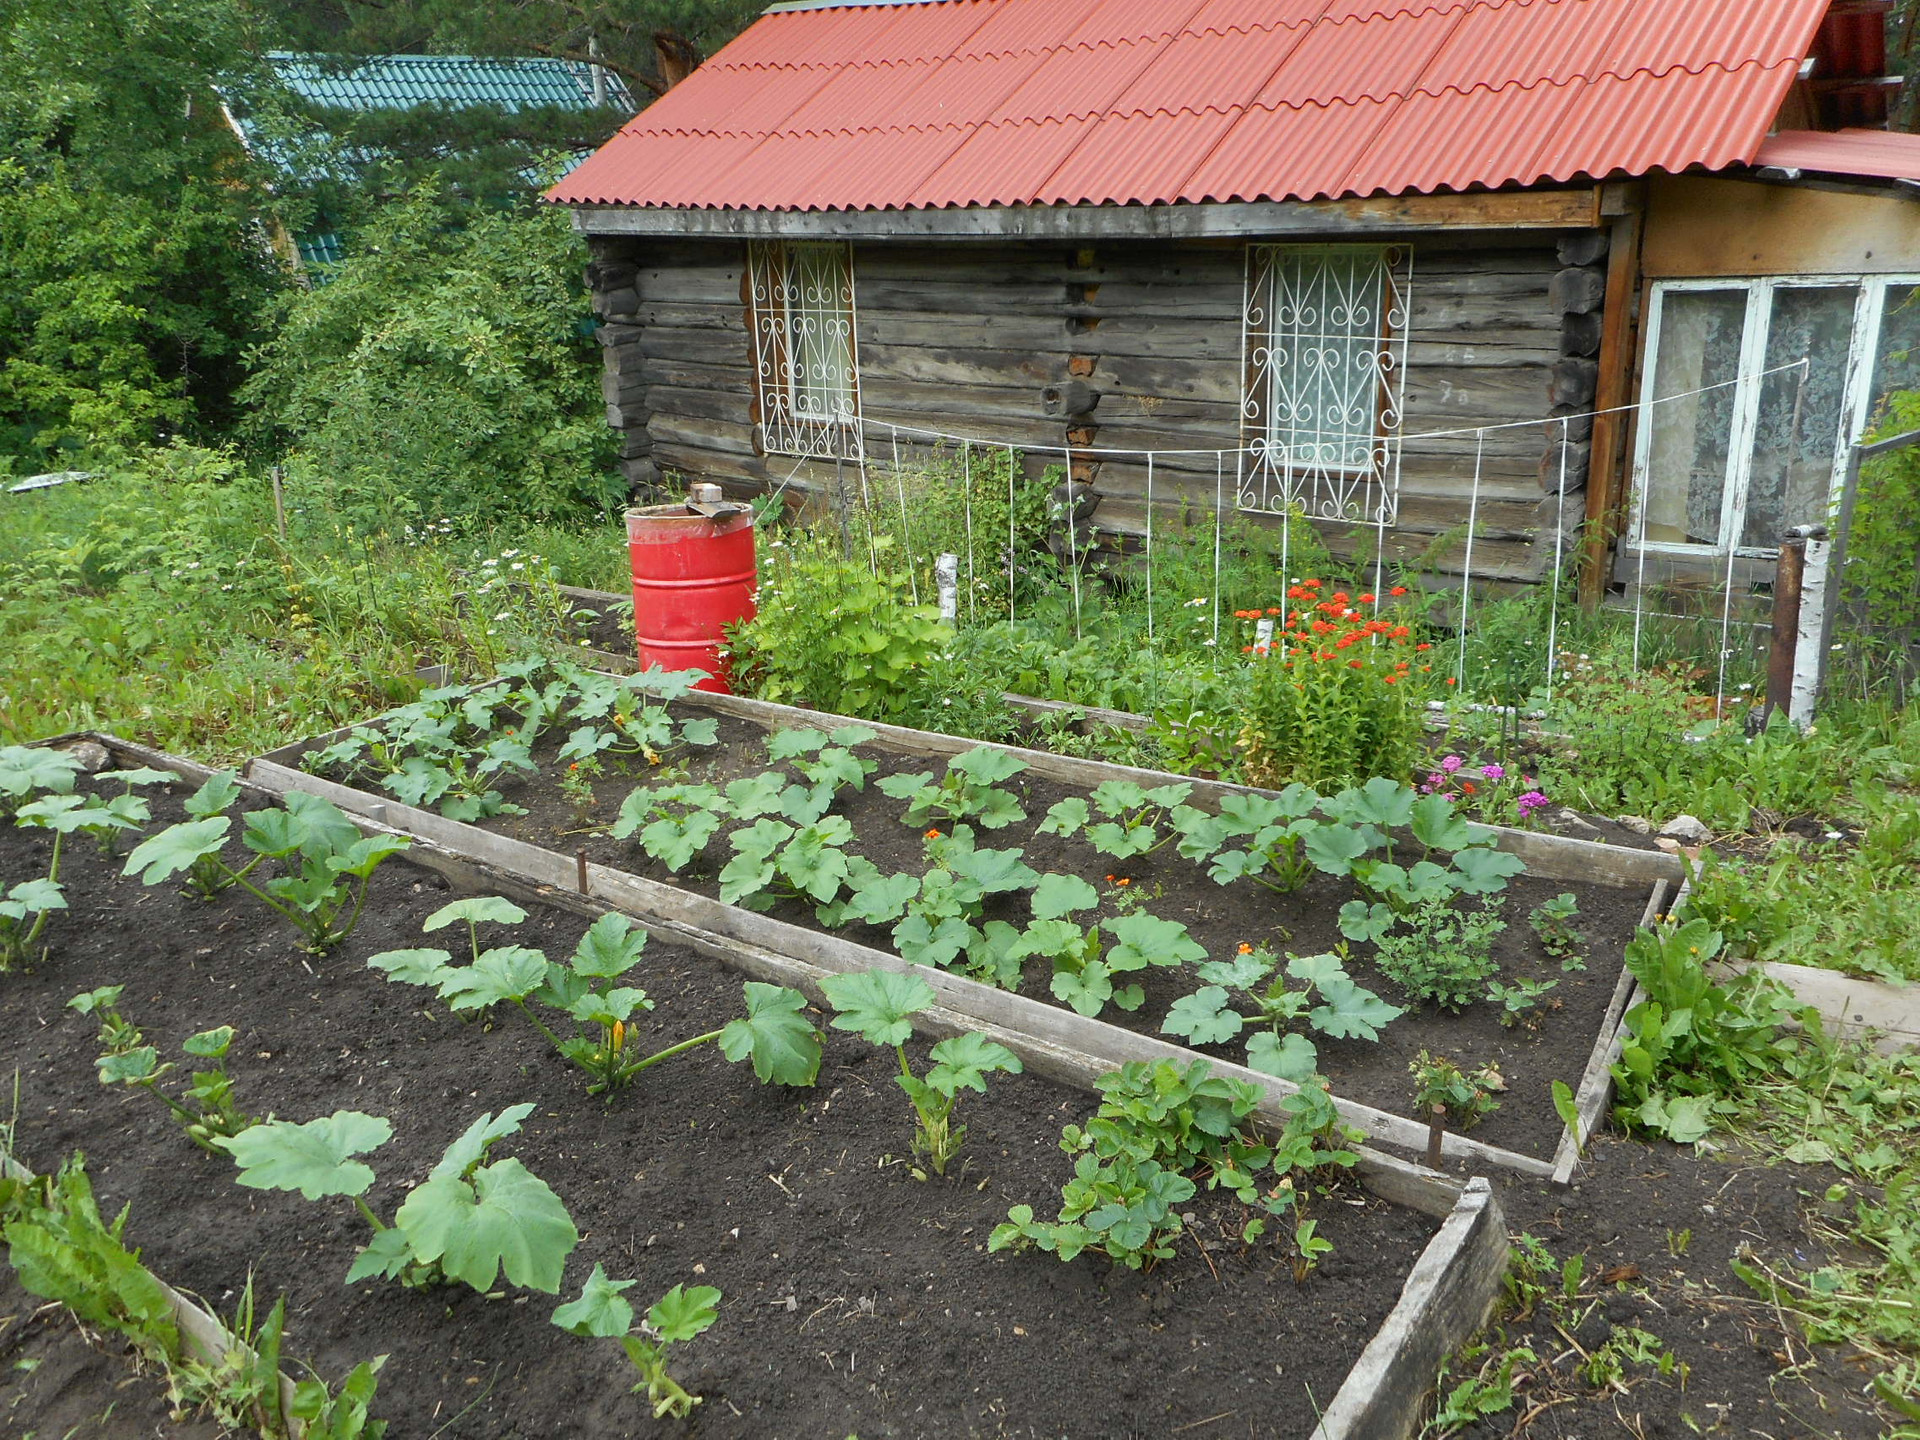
404, 82
1010, 102
1880, 154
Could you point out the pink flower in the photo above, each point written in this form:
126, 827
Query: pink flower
1451, 764
1531, 801
1494, 772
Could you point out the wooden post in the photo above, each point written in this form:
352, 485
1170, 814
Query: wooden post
279, 505
1436, 1135
1785, 644
1611, 425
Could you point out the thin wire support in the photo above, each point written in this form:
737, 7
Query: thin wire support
1073, 543
1559, 542
1466, 565
966, 490
1219, 522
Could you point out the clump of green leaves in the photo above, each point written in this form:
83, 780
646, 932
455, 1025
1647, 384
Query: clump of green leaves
1272, 832
879, 1006
1518, 1001
1459, 1098
1552, 921
1442, 954
471, 1220
320, 853
1157, 1126
1693, 1044
1329, 1001
1087, 959
969, 790
30, 770
604, 1312
1132, 815
206, 1108
773, 1034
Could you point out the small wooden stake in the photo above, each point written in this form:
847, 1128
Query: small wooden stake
279, 506
580, 859
1436, 1132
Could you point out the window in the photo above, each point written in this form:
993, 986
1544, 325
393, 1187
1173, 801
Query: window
1325, 345
801, 313
1739, 441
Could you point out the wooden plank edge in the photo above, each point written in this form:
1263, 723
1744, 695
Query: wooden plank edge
199, 1328
1883, 1015
650, 901
1447, 1298
1550, 857
1596, 1081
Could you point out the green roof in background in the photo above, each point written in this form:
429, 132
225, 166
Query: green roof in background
402, 82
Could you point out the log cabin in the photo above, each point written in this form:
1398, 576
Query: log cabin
1609, 280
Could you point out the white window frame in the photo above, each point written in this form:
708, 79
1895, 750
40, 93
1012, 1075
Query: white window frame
1272, 478
778, 310
1857, 396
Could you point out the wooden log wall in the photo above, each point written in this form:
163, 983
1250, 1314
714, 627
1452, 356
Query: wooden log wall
962, 339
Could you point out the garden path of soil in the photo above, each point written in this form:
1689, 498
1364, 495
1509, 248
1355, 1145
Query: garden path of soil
1556, 1046
856, 1299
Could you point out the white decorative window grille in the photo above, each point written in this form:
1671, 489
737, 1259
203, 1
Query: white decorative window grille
801, 311
1324, 342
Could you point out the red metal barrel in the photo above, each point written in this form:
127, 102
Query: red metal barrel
692, 577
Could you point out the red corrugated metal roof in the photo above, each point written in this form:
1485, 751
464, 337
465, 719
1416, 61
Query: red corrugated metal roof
934, 103
1878, 153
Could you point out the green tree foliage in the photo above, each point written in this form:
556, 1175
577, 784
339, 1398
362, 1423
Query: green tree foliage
446, 366
132, 276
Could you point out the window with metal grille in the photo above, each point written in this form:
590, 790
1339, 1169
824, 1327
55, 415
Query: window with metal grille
1325, 345
800, 298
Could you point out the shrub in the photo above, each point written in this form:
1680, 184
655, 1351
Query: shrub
836, 634
1441, 954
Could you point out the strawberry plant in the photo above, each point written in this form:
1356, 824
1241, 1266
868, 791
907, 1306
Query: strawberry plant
320, 852
1122, 1207
471, 1220
1517, 1001
1552, 921
207, 1108
1133, 814
967, 791
603, 1312
773, 1034
879, 1006
1460, 1099
1344, 1010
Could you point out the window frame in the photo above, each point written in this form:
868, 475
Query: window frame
781, 426
1339, 491
1856, 396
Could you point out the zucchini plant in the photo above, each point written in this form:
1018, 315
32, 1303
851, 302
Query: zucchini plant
969, 790
1133, 817
471, 1220
1086, 959
206, 1109
1330, 1002
320, 852
879, 1006
774, 1034
604, 1312
30, 770
1272, 832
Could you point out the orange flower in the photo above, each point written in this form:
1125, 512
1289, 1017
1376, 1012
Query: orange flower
933, 835
1366, 599
1245, 949
1356, 664
1123, 880
1388, 679
1423, 645
1467, 787
1275, 610
1398, 590
1450, 679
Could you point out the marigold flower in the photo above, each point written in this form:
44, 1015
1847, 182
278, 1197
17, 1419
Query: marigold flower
1245, 949
1123, 880
933, 835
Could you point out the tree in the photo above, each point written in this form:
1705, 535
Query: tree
133, 272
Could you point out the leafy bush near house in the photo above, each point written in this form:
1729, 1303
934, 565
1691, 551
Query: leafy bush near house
836, 633
446, 367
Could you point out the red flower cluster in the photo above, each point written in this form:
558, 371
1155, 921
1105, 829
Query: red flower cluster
1329, 629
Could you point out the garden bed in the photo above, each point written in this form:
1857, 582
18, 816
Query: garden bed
856, 1298
1575, 1020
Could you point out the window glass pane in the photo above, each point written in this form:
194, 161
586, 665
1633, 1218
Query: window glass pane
1798, 425
1698, 346
1324, 405
1897, 366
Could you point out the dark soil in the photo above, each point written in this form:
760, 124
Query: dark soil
61, 1381
1555, 1046
856, 1299
1658, 1227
